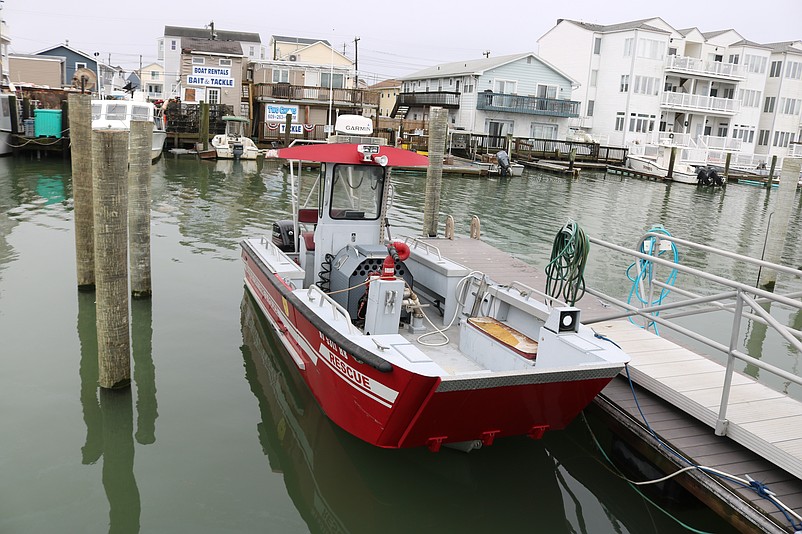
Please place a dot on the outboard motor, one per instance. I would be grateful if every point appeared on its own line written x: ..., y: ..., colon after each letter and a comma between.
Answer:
x: 284, y: 235
x: 708, y: 176
x: 237, y: 150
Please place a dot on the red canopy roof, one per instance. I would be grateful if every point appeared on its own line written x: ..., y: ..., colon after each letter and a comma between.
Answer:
x: 348, y: 153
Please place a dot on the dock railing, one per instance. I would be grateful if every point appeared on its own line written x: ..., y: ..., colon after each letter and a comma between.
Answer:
x: 742, y: 300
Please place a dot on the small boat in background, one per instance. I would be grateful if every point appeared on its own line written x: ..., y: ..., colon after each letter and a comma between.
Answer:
x: 235, y: 143
x: 683, y: 172
x: 119, y: 112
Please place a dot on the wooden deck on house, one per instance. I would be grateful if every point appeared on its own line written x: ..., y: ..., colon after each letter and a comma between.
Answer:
x: 680, y: 392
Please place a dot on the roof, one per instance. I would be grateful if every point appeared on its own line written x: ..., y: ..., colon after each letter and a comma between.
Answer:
x: 710, y: 35
x: 785, y: 46
x: 37, y: 58
x: 68, y: 47
x: 621, y: 26
x: 477, y: 66
x: 746, y: 42
x: 299, y: 40
x: 230, y: 48
x: 386, y: 84
x: 203, y: 33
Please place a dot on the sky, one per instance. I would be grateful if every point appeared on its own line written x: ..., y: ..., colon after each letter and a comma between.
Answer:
x: 396, y: 38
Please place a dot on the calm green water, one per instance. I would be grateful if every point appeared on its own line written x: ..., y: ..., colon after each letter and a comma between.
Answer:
x: 217, y: 436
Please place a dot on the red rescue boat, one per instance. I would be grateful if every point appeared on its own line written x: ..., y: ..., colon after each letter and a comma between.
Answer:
x: 401, y: 346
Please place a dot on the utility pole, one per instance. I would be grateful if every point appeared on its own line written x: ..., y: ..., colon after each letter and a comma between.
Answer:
x: 486, y: 53
x: 356, y: 63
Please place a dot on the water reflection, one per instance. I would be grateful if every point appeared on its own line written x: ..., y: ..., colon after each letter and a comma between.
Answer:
x: 341, y: 484
x: 108, y: 414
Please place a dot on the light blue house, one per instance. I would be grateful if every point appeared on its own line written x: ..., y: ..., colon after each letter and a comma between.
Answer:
x: 519, y: 94
x: 75, y: 59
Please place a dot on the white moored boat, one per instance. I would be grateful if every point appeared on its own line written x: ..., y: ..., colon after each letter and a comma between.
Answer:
x: 118, y: 113
x: 235, y: 143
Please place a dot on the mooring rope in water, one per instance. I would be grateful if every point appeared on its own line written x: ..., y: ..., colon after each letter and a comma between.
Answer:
x: 565, y: 272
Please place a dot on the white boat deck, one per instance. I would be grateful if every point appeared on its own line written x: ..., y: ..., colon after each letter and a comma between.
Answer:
x: 761, y: 419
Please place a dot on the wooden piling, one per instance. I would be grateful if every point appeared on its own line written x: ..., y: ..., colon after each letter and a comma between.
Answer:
x: 671, y: 160
x: 80, y: 109
x: 438, y: 122
x: 778, y: 227
x: 287, y: 129
x: 139, y: 165
x: 109, y: 179
x: 727, y: 166
x: 771, y: 171
x: 203, y: 128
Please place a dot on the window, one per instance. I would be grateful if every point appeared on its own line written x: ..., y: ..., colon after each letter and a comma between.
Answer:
x: 750, y: 98
x: 173, y: 44
x: 154, y: 75
x: 793, y: 70
x: 225, y: 63
x: 641, y: 122
x: 213, y: 95
x: 782, y: 139
x: 734, y: 58
x: 743, y: 132
x: 624, y: 83
x: 594, y: 77
x: 591, y: 105
x: 198, y: 60
x: 646, y: 85
x: 729, y: 93
x: 789, y: 106
x: 335, y: 82
x: 651, y: 48
x: 776, y: 69
x: 281, y: 76
x: 507, y: 87
x: 597, y: 45
x: 722, y: 130
x: 619, y: 121
x: 768, y: 104
x: 755, y: 64
x: 672, y: 51
x: 763, y: 137
x: 251, y: 51
x: 628, y: 45
x: 538, y: 130
x: 356, y: 192
x: 79, y: 65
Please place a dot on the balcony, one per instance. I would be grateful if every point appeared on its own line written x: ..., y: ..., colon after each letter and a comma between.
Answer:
x: 709, y: 69
x: 269, y: 92
x: 529, y: 105
x: 443, y: 99
x: 707, y: 104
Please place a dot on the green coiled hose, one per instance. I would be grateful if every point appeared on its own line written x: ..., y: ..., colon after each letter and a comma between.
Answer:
x: 565, y: 272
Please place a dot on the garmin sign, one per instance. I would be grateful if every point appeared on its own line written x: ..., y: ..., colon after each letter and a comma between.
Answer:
x: 210, y: 76
x: 354, y: 125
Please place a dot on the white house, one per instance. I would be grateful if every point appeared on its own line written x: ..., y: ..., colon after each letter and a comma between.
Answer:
x: 645, y: 81
x: 520, y: 94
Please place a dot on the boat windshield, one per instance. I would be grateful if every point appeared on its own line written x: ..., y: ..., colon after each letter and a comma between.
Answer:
x: 140, y: 113
x: 356, y: 192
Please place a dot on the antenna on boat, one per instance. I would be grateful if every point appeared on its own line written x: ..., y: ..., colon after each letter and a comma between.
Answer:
x: 331, y: 85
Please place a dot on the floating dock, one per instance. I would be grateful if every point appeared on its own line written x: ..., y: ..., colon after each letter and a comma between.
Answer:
x: 679, y: 392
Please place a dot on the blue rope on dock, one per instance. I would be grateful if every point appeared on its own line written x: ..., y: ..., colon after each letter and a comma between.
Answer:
x: 646, y: 275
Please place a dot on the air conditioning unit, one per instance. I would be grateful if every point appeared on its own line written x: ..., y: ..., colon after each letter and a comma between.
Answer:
x: 293, y: 57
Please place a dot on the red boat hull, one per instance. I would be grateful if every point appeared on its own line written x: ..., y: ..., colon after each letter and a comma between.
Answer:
x: 392, y: 407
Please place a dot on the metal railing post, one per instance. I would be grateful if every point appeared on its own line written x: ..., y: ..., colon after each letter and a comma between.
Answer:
x: 721, y: 422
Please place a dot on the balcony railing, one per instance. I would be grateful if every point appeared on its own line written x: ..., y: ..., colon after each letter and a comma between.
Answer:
x: 716, y: 69
x: 530, y: 105
x: 444, y: 99
x: 303, y: 93
x: 686, y: 101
